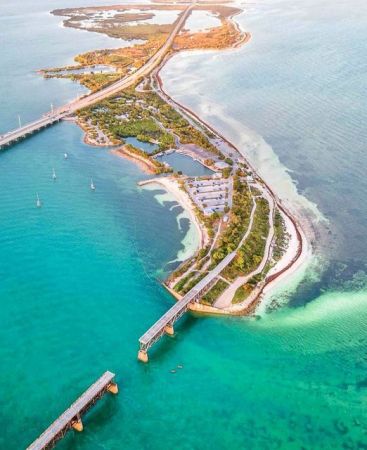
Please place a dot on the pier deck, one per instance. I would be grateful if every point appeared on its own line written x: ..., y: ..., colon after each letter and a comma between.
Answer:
x: 165, y: 323
x: 58, y: 429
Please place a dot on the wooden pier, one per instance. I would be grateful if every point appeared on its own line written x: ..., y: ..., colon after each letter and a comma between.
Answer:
x: 71, y: 418
x: 165, y: 324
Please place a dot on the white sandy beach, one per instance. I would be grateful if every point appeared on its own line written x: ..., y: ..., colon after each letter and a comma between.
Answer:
x: 171, y: 185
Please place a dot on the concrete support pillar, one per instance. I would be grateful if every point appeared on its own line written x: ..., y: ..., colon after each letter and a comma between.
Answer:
x: 78, y: 425
x: 143, y: 356
x: 113, y: 388
x: 168, y: 329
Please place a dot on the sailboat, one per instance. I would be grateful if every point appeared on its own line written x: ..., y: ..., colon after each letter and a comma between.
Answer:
x: 65, y: 155
x: 38, y: 203
x: 53, y: 174
x: 92, y: 185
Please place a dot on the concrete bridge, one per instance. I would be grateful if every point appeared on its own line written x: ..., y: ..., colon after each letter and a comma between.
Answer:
x: 14, y: 136
x: 71, y: 418
x: 49, y: 119
x: 165, y: 324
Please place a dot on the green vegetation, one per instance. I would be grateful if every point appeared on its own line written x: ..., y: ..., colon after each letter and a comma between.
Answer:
x: 245, y: 290
x: 182, y: 268
x: 158, y: 166
x: 180, y: 285
x: 211, y: 296
x: 238, y: 224
x: 199, y: 265
x: 128, y: 115
x: 281, y: 237
x: 188, y: 282
x: 144, y: 128
x: 192, y: 283
x: 242, y: 293
x: 93, y: 81
x: 226, y: 172
x: 147, y: 117
x: 251, y: 253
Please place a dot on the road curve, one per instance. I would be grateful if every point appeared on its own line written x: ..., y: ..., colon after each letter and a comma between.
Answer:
x: 133, y: 78
x: 88, y: 100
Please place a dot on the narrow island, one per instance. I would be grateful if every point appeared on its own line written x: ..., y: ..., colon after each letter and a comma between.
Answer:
x: 248, y: 239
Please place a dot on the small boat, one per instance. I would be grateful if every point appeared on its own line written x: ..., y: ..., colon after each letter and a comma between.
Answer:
x: 65, y: 155
x: 92, y: 185
x: 38, y: 203
x: 53, y: 174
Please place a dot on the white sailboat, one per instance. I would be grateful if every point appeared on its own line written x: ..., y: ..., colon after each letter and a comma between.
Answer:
x: 65, y: 155
x: 92, y: 185
x: 38, y: 203
x: 53, y: 174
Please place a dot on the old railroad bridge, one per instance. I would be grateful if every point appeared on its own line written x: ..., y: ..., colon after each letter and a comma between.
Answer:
x: 71, y: 418
x: 165, y: 324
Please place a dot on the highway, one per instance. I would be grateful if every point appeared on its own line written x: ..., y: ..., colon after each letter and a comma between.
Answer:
x: 88, y: 100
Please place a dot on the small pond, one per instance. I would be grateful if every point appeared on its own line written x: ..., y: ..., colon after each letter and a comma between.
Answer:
x: 185, y: 164
x: 148, y: 147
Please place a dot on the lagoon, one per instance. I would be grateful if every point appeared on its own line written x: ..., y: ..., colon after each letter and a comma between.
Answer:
x: 185, y: 164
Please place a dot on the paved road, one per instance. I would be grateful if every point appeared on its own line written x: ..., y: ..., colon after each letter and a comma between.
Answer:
x: 91, y: 99
x: 133, y: 78
x: 225, y: 299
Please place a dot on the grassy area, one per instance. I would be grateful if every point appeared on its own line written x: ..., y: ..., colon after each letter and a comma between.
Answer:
x: 242, y: 293
x: 238, y: 224
x: 211, y: 296
x: 147, y: 117
x: 180, y: 284
x: 191, y: 283
x: 281, y: 236
x: 250, y: 255
x: 96, y: 81
x: 157, y: 166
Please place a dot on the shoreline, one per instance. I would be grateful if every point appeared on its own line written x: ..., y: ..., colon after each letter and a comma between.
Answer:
x: 145, y: 165
x: 303, y: 253
x: 170, y: 185
x: 302, y: 248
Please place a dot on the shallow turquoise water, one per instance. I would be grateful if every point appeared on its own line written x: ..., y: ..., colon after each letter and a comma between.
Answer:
x: 79, y: 286
x: 294, y: 95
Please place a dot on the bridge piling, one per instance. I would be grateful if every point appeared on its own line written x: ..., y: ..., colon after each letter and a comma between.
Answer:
x: 165, y: 324
x: 71, y: 418
x: 78, y: 424
x: 143, y: 356
x: 168, y: 329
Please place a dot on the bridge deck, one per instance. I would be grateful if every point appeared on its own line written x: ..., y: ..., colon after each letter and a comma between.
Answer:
x: 12, y: 136
x: 156, y: 330
x: 90, y: 99
x: 64, y: 421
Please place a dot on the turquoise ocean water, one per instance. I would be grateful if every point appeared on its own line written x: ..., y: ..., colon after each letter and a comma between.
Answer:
x: 78, y: 277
